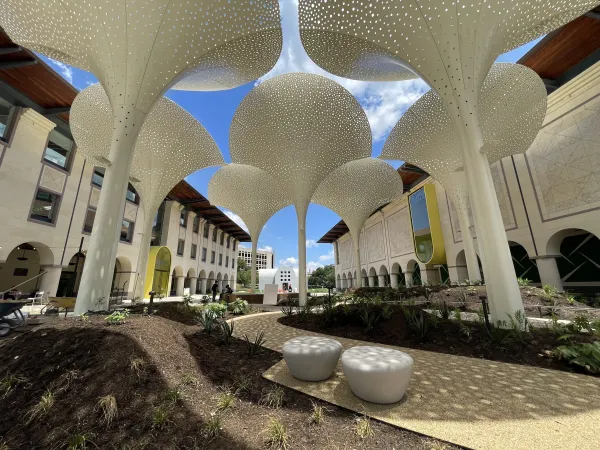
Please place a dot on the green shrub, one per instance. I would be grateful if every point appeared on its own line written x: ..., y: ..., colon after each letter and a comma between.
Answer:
x: 227, y: 332
x: 273, y: 398
x: 287, y: 309
x: 549, y: 291
x: 370, y: 319
x: 583, y: 355
x: 187, y: 300
x: 208, y: 320
x: 277, y: 436
x: 239, y: 307
x: 117, y: 317
x: 219, y: 309
x: 255, y: 347
x: 523, y: 281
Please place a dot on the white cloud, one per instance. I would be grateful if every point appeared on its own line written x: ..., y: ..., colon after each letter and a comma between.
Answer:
x: 384, y: 103
x: 311, y: 266
x: 242, y: 245
x: 237, y: 219
x: 291, y: 261
x: 327, y: 257
x: 64, y: 70
x: 266, y: 248
x: 310, y: 243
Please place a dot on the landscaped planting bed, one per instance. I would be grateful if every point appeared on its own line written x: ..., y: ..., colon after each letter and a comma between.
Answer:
x: 154, y: 383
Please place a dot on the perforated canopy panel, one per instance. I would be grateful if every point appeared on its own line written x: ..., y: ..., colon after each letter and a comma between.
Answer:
x: 512, y: 106
x: 357, y: 189
x: 450, y: 44
x: 171, y: 145
x: 137, y: 49
x: 249, y: 192
x: 298, y: 128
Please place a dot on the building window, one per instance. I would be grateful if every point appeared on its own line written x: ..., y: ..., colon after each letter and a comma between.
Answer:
x: 6, y: 114
x: 45, y: 206
x: 212, y: 257
x: 196, y: 224
x: 183, y: 218
x: 193, y: 251
x: 131, y: 194
x: 204, y: 254
x: 98, y: 180
x: 228, y: 242
x: 215, y: 235
x: 126, y: 231
x: 220, y: 259
x: 58, y: 150
x: 233, y: 263
x: 98, y: 176
x: 234, y: 243
x: 180, y: 247
x: 90, y: 215
x: 206, y: 230
x: 157, y: 225
x: 20, y: 272
x: 227, y: 261
x: 222, y: 238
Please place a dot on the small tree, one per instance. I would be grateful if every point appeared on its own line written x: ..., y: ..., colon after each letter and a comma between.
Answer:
x: 243, y: 272
x: 323, y: 277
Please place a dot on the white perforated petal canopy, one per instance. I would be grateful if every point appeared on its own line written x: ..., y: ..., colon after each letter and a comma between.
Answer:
x: 171, y: 145
x: 249, y: 192
x: 298, y: 128
x: 137, y: 49
x: 358, y: 188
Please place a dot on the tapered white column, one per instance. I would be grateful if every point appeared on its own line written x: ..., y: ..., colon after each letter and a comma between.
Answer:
x: 408, y: 278
x: 372, y: 281
x: 179, y: 286
x: 394, y: 280
x: 193, y: 285
x: 142, y: 262
x: 548, y: 270
x: 301, y: 213
x: 469, y: 245
x: 356, y: 244
x: 49, y: 281
x: 381, y: 280
x: 203, y: 286
x: 100, y: 259
x: 253, y: 266
x: 501, y: 281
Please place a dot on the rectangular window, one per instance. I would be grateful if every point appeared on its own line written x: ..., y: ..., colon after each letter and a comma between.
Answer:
x: 212, y: 257
x: 45, y: 206
x: 228, y: 242
x: 214, y: 235
x: 196, y: 225
x: 204, y: 254
x: 193, y: 251
x: 6, y: 110
x: 20, y: 272
x: 220, y: 259
x: 157, y: 225
x: 90, y: 215
x: 183, y: 218
x: 222, y: 238
x: 233, y: 263
x: 206, y: 230
x: 126, y: 231
x: 131, y: 194
x: 98, y: 180
x: 98, y: 176
x: 234, y: 245
x: 180, y: 247
x: 227, y: 261
x: 58, y: 151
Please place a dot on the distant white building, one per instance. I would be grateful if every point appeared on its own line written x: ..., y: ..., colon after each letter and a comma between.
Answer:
x: 264, y: 259
x: 282, y: 277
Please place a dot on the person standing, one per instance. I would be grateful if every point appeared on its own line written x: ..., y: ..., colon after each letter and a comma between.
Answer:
x: 215, y: 288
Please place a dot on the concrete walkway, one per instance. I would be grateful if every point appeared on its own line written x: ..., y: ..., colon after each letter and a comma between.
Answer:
x: 471, y: 402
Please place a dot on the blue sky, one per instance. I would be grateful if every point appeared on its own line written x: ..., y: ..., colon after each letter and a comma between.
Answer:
x: 384, y: 104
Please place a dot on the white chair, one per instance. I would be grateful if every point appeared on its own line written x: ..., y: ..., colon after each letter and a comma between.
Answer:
x: 311, y: 358
x: 377, y: 374
x: 41, y: 296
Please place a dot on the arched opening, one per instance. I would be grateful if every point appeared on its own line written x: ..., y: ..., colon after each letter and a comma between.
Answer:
x: 350, y: 280
x: 220, y: 282
x: 364, y: 278
x: 121, y: 277
x: 70, y: 277
x: 157, y: 271
x: 19, y: 275
x: 397, y: 277
x: 414, y: 271
x: 383, y: 277
x: 175, y: 275
x: 461, y: 266
x: 338, y: 283
x: 190, y: 279
x: 344, y: 281
x: 579, y: 264
x: 225, y: 281
x: 373, y: 279
x: 524, y: 267
x: 202, y: 281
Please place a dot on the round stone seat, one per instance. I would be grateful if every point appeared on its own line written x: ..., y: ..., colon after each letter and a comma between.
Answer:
x: 311, y: 358
x: 377, y: 374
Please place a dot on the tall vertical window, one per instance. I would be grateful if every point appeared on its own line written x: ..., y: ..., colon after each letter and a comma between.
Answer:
x: 98, y: 180
x: 228, y: 241
x: 220, y: 259
x: 183, y: 218
x: 90, y: 215
x: 204, y: 254
x: 206, y: 230
x: 58, y: 151
x: 193, y: 251
x: 222, y: 238
x: 45, y: 206
x: 180, y: 247
x: 196, y: 224
x: 234, y: 244
x: 214, y: 235
x: 6, y: 112
x: 227, y: 261
x: 126, y: 231
x: 157, y: 225
x: 233, y: 263
x: 212, y: 257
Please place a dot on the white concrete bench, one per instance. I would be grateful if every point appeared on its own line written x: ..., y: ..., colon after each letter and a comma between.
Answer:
x: 377, y: 374
x: 311, y: 358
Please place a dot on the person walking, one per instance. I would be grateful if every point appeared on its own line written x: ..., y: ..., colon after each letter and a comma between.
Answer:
x: 215, y: 288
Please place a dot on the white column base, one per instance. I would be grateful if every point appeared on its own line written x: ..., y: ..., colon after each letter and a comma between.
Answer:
x: 548, y: 270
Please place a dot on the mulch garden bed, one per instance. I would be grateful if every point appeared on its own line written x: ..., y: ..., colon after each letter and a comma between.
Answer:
x: 448, y: 337
x: 155, y: 365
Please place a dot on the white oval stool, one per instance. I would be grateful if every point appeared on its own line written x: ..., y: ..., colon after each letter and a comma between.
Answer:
x: 377, y: 374
x: 311, y: 358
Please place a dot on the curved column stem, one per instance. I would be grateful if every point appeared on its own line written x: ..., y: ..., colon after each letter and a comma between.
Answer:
x: 301, y: 213
x: 501, y: 281
x: 469, y: 245
x: 253, y: 266
x: 356, y: 244
x: 94, y: 290
x: 142, y: 262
